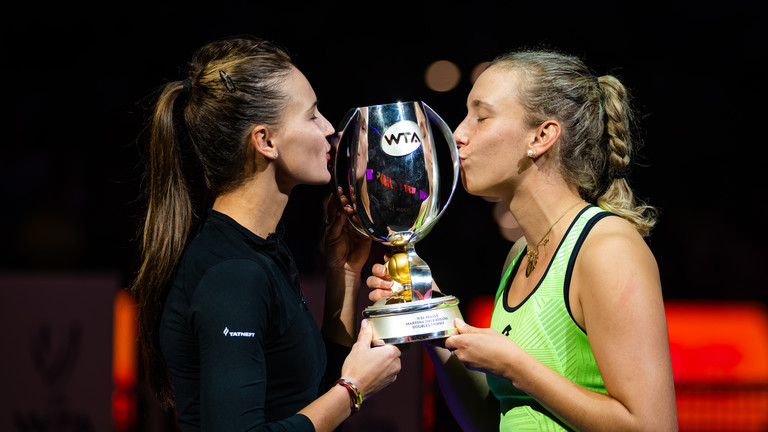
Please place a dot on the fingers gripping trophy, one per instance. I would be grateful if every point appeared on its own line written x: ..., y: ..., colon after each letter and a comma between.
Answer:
x: 399, y: 178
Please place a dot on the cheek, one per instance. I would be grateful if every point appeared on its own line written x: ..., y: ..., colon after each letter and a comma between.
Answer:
x: 489, y: 168
x: 505, y: 143
x: 489, y: 145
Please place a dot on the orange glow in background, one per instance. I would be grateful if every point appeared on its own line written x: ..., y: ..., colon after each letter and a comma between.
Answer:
x: 124, y: 363
x: 719, y: 356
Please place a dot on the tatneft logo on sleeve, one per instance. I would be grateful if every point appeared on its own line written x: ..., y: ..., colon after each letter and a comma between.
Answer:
x: 228, y: 332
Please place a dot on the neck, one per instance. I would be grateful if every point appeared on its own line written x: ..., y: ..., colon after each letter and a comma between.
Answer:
x: 257, y: 205
x: 537, y: 209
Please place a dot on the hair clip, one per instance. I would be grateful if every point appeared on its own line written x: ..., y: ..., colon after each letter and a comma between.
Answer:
x: 230, y: 86
x: 186, y: 86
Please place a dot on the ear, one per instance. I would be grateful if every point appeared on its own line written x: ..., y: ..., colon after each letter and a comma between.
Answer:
x: 545, y: 137
x: 261, y: 140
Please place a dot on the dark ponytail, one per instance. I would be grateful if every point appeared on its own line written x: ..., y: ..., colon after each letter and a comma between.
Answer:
x: 232, y: 86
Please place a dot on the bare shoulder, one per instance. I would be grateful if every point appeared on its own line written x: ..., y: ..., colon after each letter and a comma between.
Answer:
x: 616, y: 270
x: 614, y: 241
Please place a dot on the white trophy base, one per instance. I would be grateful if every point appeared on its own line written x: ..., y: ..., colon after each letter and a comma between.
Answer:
x: 413, y: 321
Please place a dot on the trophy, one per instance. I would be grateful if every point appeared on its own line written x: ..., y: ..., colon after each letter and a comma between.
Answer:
x: 399, y: 177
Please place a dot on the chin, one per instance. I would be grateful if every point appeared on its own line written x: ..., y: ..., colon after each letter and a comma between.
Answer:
x: 321, y: 179
x: 475, y: 191
x: 468, y: 186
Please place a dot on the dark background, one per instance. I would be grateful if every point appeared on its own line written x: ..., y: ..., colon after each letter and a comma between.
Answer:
x: 79, y: 80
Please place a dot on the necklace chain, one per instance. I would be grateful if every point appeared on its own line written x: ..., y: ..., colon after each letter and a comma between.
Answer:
x: 533, y: 254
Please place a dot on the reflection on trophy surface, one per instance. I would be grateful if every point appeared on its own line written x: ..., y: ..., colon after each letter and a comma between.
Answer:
x: 399, y: 178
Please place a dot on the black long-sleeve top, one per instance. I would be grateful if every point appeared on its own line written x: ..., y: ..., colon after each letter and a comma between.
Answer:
x: 242, y: 348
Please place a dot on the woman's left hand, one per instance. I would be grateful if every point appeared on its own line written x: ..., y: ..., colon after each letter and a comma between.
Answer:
x: 345, y: 248
x: 482, y: 349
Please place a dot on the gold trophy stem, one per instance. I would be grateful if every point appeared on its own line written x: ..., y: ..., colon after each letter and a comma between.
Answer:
x: 400, y: 272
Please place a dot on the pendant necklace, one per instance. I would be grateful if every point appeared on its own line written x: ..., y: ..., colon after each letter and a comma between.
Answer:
x: 533, y: 254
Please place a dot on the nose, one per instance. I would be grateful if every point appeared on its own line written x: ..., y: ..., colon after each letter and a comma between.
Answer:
x: 460, y: 136
x: 327, y: 127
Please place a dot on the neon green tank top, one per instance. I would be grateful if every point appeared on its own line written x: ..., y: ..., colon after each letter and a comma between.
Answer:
x: 543, y: 326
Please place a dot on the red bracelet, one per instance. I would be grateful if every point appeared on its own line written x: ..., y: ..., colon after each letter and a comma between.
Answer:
x: 354, y: 394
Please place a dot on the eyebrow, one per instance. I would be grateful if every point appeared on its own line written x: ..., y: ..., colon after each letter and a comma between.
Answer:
x: 475, y: 103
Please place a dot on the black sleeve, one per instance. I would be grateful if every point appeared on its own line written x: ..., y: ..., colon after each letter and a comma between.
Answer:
x: 230, y: 316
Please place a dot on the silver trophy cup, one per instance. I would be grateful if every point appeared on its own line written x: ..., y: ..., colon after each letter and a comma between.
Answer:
x: 399, y: 178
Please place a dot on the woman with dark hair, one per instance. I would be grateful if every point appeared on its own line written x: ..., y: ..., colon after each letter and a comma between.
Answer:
x: 578, y: 337
x: 226, y: 334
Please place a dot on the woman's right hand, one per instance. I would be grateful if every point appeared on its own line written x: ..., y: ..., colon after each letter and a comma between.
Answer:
x: 371, y: 365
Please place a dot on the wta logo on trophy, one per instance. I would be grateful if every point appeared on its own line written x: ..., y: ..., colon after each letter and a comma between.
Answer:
x: 401, y: 138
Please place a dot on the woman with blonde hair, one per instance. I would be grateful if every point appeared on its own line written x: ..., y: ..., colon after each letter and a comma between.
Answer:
x: 578, y: 337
